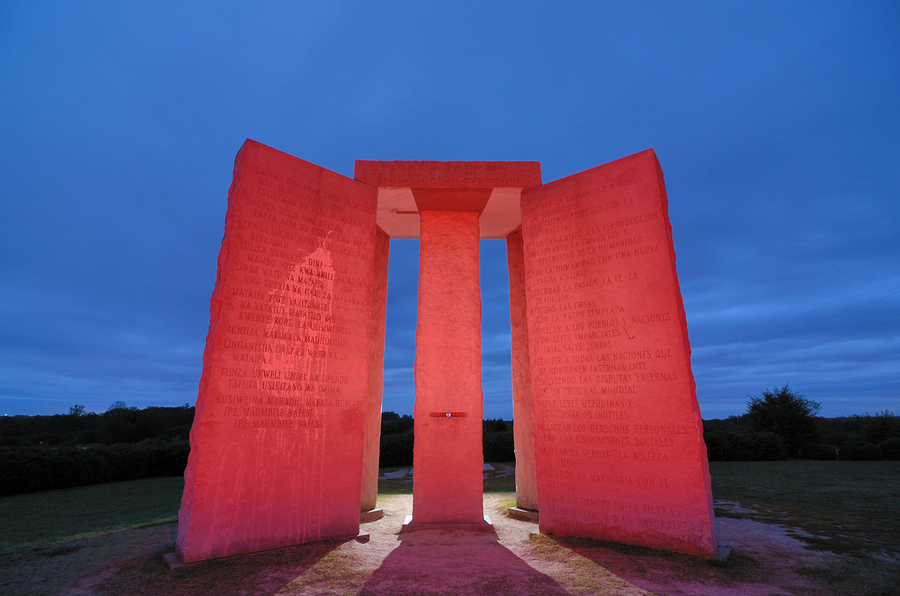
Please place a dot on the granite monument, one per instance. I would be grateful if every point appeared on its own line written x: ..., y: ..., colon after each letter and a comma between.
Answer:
x: 284, y: 447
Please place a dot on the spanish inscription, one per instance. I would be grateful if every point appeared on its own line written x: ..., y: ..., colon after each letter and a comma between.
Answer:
x: 616, y: 424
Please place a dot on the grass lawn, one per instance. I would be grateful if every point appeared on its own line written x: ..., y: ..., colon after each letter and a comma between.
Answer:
x: 853, y: 507
x: 56, y: 515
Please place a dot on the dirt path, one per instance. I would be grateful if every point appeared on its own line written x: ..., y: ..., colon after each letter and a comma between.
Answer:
x: 514, y: 560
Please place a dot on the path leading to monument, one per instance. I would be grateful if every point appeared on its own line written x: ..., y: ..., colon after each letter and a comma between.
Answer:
x: 514, y: 561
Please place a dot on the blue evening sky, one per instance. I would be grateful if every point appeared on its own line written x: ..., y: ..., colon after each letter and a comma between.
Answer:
x: 777, y: 125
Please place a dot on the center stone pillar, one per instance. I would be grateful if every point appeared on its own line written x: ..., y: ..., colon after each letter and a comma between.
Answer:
x: 448, y: 460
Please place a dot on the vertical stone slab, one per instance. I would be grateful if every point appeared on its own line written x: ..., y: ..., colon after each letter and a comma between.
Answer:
x: 277, y: 440
x: 618, y: 433
x: 376, y: 372
x: 523, y: 427
x: 448, y: 459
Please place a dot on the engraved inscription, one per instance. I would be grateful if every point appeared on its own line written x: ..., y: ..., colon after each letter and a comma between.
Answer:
x: 596, y: 357
x: 282, y: 333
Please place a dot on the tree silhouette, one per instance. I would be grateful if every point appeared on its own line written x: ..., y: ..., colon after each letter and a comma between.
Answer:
x: 785, y: 413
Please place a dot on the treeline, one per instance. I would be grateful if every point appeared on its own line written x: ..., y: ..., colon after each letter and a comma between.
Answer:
x: 119, y: 424
x: 397, y: 436
x: 851, y: 438
x: 79, y: 449
x: 782, y: 424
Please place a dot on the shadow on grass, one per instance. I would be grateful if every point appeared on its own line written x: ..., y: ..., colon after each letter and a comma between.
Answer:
x: 649, y: 569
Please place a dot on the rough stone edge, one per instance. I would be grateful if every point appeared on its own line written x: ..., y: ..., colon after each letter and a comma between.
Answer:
x: 523, y: 514
x: 370, y: 515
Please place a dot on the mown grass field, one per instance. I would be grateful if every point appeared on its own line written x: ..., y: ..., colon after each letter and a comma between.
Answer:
x: 851, y: 507
x: 39, y: 519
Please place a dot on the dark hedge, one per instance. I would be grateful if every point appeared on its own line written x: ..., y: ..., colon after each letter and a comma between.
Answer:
x: 498, y: 446
x: 396, y: 450
x: 860, y: 451
x: 31, y: 469
x: 891, y: 448
x: 732, y: 446
x: 818, y: 451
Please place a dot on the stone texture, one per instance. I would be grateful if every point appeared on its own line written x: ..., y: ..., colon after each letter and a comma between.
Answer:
x: 491, y: 188
x: 523, y: 427
x: 376, y: 372
x: 608, y: 432
x: 277, y: 440
x: 618, y: 434
x: 447, y: 484
x: 449, y: 174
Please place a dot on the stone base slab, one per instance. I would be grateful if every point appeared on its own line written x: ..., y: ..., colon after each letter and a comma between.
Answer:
x: 410, y: 526
x: 175, y: 562
x: 370, y: 515
x: 523, y: 514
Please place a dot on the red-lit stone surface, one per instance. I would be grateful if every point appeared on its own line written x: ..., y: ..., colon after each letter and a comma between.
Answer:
x: 449, y: 174
x: 285, y: 440
x: 490, y: 188
x: 376, y: 372
x: 618, y: 433
x: 523, y: 429
x: 277, y: 441
x: 449, y: 205
x: 448, y: 461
